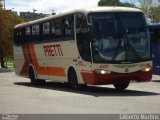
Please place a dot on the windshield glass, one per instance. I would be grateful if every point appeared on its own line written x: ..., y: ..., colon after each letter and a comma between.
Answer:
x: 120, y: 37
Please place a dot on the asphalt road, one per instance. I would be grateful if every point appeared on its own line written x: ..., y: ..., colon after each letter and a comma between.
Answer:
x: 18, y: 96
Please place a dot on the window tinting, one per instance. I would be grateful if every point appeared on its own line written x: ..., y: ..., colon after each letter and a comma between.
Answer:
x: 46, y: 31
x: 59, y: 29
x: 83, y: 42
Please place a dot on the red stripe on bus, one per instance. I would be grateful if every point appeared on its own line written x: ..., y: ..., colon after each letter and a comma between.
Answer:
x: 24, y: 70
x: 32, y: 59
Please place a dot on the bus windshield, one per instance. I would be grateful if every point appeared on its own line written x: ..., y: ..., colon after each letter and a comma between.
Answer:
x: 120, y: 37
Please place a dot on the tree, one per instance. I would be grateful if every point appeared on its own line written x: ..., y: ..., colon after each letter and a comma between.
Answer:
x: 154, y: 14
x: 1, y: 4
x: 7, y: 22
x: 151, y: 8
x: 109, y: 3
x: 114, y: 3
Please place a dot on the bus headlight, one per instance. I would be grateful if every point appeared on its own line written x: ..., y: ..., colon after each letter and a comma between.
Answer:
x: 147, y: 69
x: 99, y: 71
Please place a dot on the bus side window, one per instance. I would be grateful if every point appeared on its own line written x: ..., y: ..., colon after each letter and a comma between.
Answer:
x: 46, y: 31
x: 58, y: 26
x: 158, y: 35
x: 62, y: 28
x: 35, y: 33
x: 23, y: 35
x: 155, y: 36
x: 53, y: 30
x: 27, y: 34
x: 83, y: 42
x: 20, y: 37
x: 17, y: 37
x: 69, y: 27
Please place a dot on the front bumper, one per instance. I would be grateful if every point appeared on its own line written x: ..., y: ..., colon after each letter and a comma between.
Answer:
x: 93, y: 78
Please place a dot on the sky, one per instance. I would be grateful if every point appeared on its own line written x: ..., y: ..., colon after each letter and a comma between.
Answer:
x: 47, y: 6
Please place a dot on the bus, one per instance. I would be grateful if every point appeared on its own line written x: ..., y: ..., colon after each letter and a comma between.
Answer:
x: 92, y: 46
x: 154, y: 30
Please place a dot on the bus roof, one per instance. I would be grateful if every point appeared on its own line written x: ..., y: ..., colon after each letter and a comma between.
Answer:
x: 84, y: 10
x: 110, y: 9
x: 154, y: 25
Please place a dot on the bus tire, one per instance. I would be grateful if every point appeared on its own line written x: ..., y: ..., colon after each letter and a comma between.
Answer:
x: 73, y: 80
x: 121, y: 84
x: 35, y: 81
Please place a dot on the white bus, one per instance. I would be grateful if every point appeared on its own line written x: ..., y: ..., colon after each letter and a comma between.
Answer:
x: 98, y: 46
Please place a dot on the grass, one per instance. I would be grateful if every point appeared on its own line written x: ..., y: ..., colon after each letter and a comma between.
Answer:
x: 10, y: 64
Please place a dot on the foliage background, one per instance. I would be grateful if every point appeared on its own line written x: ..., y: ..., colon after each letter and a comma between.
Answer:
x: 7, y: 22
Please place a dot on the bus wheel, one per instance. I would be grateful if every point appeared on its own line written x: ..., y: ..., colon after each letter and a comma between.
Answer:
x: 73, y: 80
x: 32, y: 76
x: 121, y: 84
x: 33, y: 79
